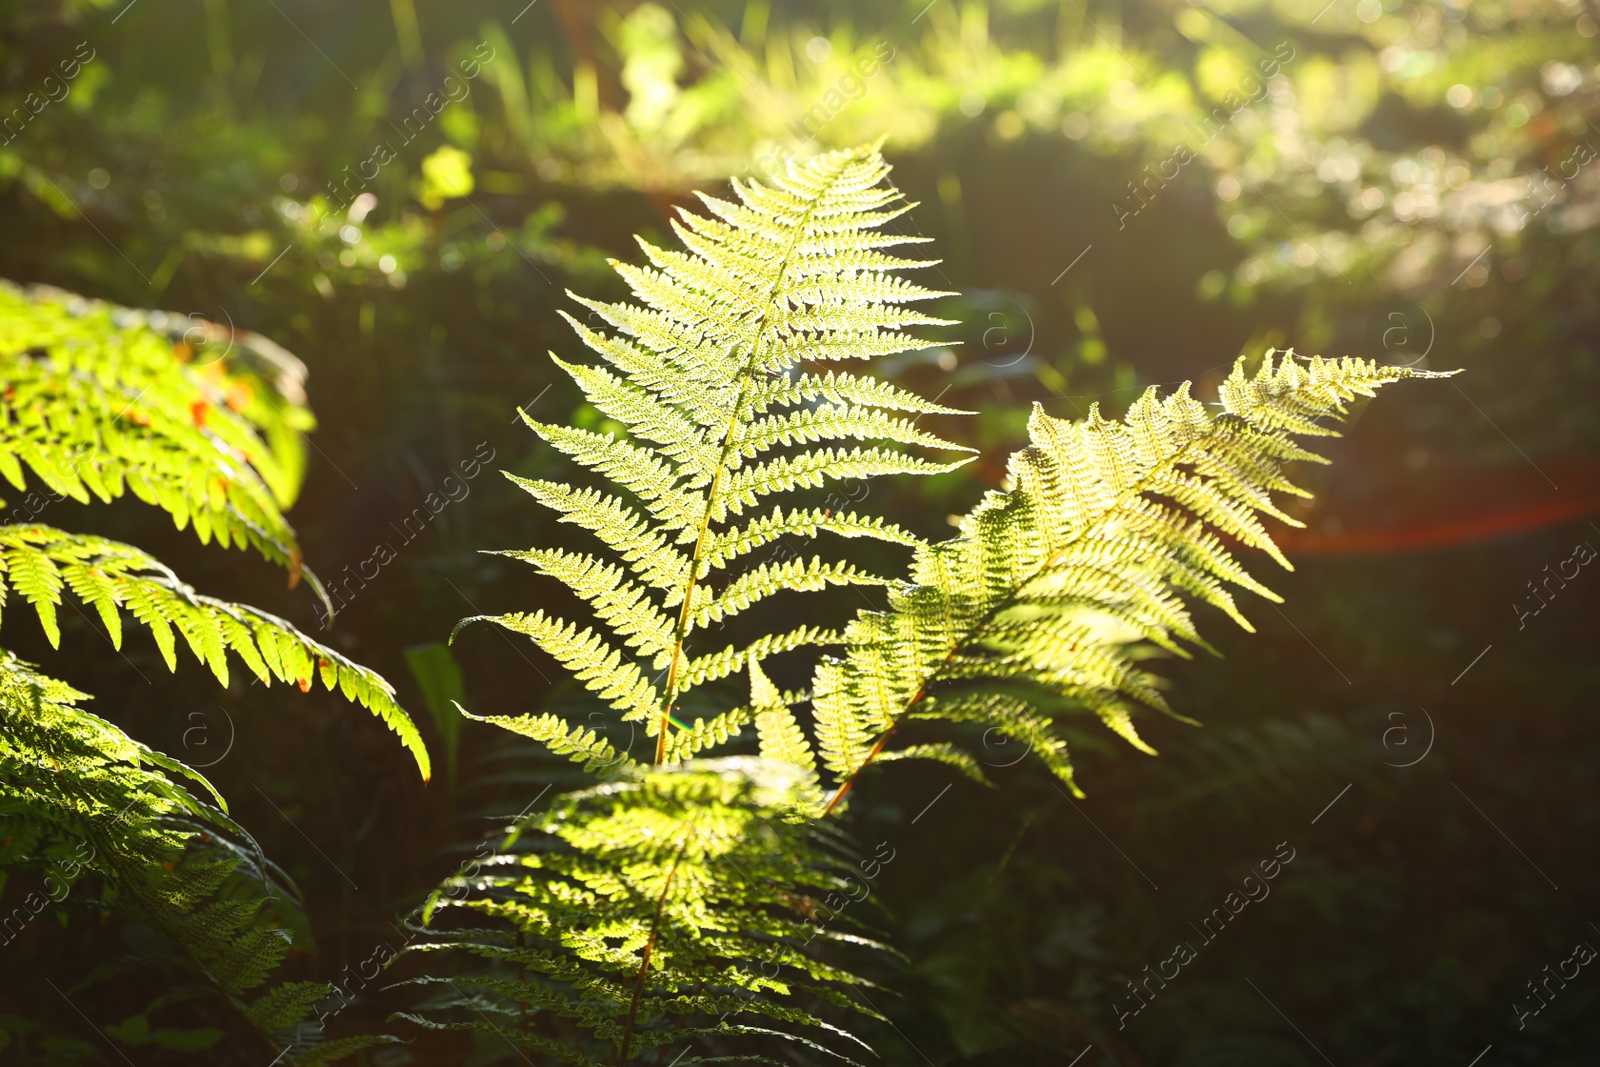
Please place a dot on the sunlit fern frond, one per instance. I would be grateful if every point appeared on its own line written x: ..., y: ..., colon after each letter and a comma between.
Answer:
x: 682, y: 906
x: 1106, y: 528
x: 707, y: 373
x: 43, y: 564
x: 192, y: 417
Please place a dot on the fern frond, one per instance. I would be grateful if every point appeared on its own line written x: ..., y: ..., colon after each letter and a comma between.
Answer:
x: 647, y: 912
x: 1052, y: 584
x: 286, y: 1004
x: 804, y: 522
x: 940, y: 752
x: 769, y: 579
x: 588, y: 656
x: 732, y: 659
x: 812, y: 470
x: 65, y: 768
x: 1007, y: 719
x: 42, y: 563
x: 86, y: 810
x: 619, y: 603
x: 645, y: 548
x: 828, y: 422
x: 848, y: 390
x: 99, y: 401
x: 701, y: 734
x: 702, y: 371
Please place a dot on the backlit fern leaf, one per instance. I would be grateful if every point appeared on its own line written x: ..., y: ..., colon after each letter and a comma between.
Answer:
x: 780, y: 734
x: 99, y: 401
x: 646, y: 913
x: 555, y: 733
x: 704, y: 373
x: 642, y: 912
x: 41, y: 563
x: 1105, y: 527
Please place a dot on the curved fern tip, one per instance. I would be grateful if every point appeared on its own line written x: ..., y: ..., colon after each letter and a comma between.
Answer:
x: 463, y: 624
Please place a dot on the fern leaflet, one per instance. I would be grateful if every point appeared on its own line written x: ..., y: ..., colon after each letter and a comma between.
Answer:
x: 41, y: 563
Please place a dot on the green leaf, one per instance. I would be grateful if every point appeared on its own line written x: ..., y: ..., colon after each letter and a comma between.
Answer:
x: 1045, y: 598
x: 439, y: 677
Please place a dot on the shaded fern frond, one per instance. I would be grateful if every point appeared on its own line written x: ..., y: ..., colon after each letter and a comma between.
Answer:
x: 649, y: 912
x: 197, y: 419
x: 69, y: 773
x: 92, y: 818
x: 41, y: 564
x: 1105, y: 530
x: 704, y: 373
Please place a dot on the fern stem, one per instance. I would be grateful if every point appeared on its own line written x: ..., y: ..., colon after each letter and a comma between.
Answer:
x: 848, y: 783
x: 649, y: 947
x: 681, y: 630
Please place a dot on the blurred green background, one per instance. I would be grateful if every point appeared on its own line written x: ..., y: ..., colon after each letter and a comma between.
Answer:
x: 400, y: 191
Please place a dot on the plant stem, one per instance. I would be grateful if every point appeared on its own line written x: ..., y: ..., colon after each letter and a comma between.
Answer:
x: 649, y: 947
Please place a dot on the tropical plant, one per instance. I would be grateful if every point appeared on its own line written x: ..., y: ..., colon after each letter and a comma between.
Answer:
x: 621, y: 931
x: 207, y: 425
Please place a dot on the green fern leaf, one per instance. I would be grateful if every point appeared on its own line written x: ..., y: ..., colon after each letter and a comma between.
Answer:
x: 89, y: 807
x: 782, y: 739
x: 1052, y: 584
x: 574, y: 742
x: 649, y: 911
x: 41, y: 563
x: 100, y: 399
x: 703, y: 372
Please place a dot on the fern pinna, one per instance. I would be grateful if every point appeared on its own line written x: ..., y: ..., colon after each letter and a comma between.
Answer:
x: 100, y: 400
x: 1042, y: 607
